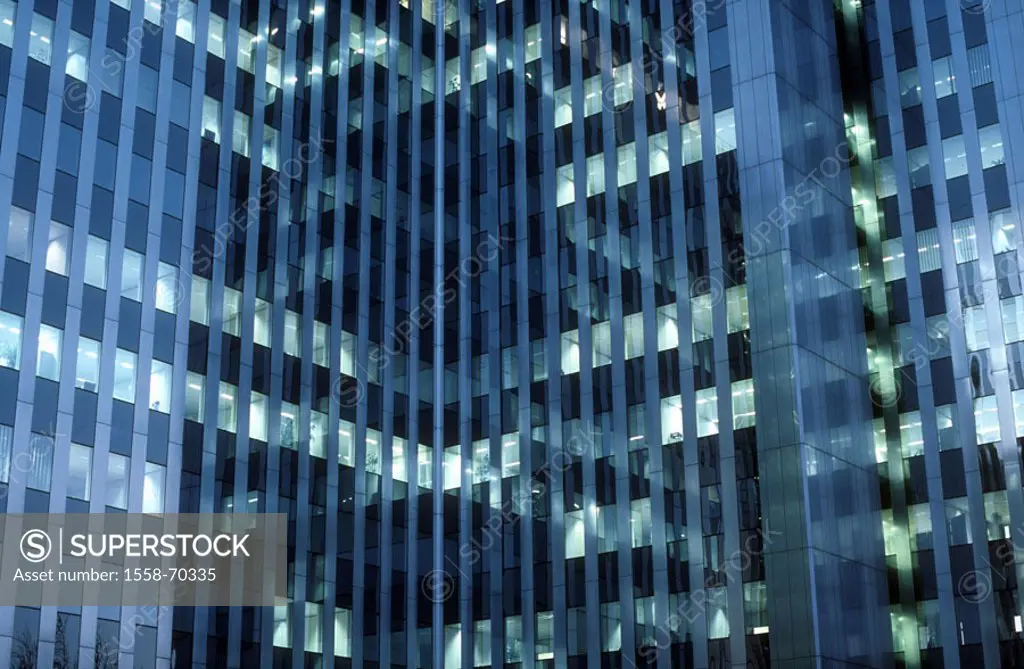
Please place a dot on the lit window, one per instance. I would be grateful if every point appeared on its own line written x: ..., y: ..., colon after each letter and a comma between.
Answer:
x: 1004, y: 234
x: 595, y: 175
x: 117, y: 481
x: 232, y: 312
x: 991, y: 139
x: 979, y: 64
x: 668, y: 329
x: 743, y: 414
x: 626, y: 159
x: 737, y: 315
x: 241, y: 133
x: 373, y: 440
x: 87, y: 373
x: 346, y: 445
x: 10, y: 340
x: 478, y: 65
x: 910, y: 88
x: 593, y: 96
x: 40, y: 43
x: 318, y: 434
x: 274, y: 66
x: 885, y: 177
x: 342, y: 633
x: 79, y: 472
x: 153, y: 11
x: 40, y: 463
x: 702, y: 323
x: 929, y: 256
x: 7, y: 12
x: 533, y: 43
x: 893, y: 259
x: 623, y: 78
x: 131, y: 276
x: 633, y: 335
x: 217, y: 42
x: 509, y: 368
x: 725, y: 131
x: 976, y: 328
x: 186, y: 25
x: 671, y: 419
x: 919, y: 167
x: 160, y: 387
x: 262, y: 319
x: 247, y: 52
x: 292, y: 333
x: 348, y: 354
x: 707, y: 412
x: 986, y: 420
x: 199, y: 305
x: 563, y: 106
x: 564, y: 188
x: 965, y: 241
x: 259, y: 417
x: 658, y: 153
x: 48, y: 355
x: 640, y: 527
x: 78, y: 57
x: 282, y: 636
x: 718, y: 613
x: 509, y: 455
x: 289, y: 430
x: 1013, y: 318
x: 58, y: 248
x: 153, y: 488
x: 195, y: 397
x: 227, y: 407
x: 945, y: 80
x: 691, y: 142
x: 96, y: 262
x: 955, y: 156
x: 19, y: 234
x: 271, y: 143
x: 211, y: 118
x: 124, y: 375
x: 167, y: 288
x: 570, y: 352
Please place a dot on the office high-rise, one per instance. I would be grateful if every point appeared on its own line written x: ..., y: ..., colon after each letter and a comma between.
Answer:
x: 568, y: 334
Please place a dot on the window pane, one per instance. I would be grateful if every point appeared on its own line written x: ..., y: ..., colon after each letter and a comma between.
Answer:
x: 124, y: 376
x: 40, y: 42
x: 48, y: 355
x: 7, y: 12
x: 87, y: 374
x: 96, y: 262
x: 292, y: 333
x: 258, y: 416
x: 58, y: 248
x: 991, y: 139
x: 321, y: 344
x: 216, y: 44
x: 195, y: 402
x: 199, y: 305
x: 232, y: 312
x: 160, y: 387
x: 955, y: 156
x: 965, y: 242
x: 263, y: 317
x: 78, y: 57
x: 10, y: 340
x: 227, y: 407
x: 19, y: 234
x: 80, y: 472
x: 40, y: 465
x: 117, y: 481
x: 167, y: 288
x: 153, y: 488
x: 945, y: 80
x: 131, y: 278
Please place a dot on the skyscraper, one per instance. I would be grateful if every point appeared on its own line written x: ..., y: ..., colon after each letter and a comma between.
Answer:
x: 567, y: 334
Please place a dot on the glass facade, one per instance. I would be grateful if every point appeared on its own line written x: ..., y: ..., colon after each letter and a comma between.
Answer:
x: 567, y: 333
